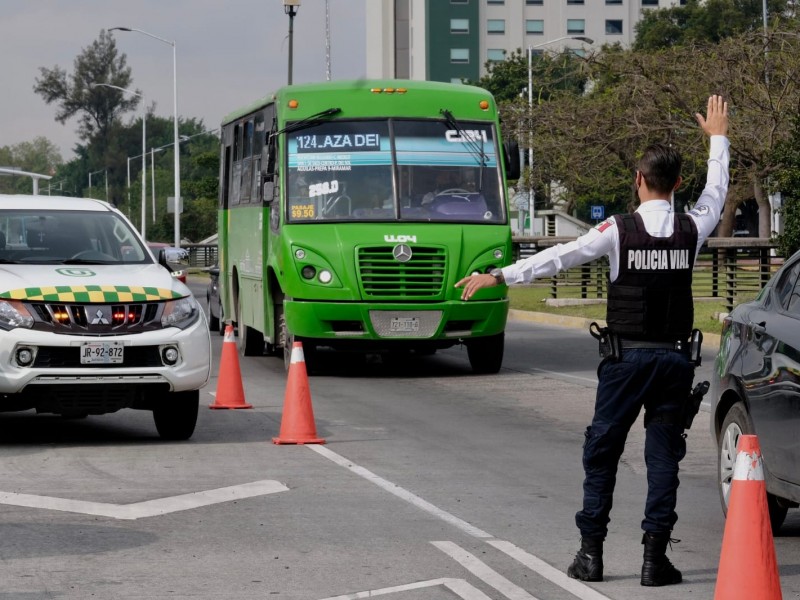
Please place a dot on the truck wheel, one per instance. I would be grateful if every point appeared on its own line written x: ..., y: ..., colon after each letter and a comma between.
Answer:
x: 175, y: 415
x: 737, y: 423
x: 486, y: 353
x: 251, y: 341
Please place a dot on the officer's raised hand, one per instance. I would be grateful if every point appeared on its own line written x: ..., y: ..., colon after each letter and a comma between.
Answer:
x: 716, y: 120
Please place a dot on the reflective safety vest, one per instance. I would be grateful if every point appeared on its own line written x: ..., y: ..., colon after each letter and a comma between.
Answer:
x: 651, y: 298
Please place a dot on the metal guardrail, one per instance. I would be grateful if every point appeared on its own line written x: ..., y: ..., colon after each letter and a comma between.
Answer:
x: 731, y: 269
x: 202, y: 255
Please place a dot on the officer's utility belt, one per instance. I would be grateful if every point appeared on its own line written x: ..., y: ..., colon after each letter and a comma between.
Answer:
x: 613, y: 346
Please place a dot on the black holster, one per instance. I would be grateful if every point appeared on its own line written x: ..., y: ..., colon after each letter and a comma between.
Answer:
x: 610, y: 345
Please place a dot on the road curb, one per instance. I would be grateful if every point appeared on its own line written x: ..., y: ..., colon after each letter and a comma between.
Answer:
x: 709, y: 339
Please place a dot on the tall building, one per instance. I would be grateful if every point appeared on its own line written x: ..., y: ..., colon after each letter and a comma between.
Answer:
x: 451, y: 40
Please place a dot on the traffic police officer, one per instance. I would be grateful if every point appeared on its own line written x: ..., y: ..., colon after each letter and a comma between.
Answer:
x: 649, y: 313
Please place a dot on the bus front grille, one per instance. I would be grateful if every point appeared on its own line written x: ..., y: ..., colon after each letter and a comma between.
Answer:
x: 419, y: 278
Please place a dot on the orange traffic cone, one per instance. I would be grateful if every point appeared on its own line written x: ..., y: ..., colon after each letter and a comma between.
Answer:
x: 297, y: 424
x: 230, y: 392
x: 748, y: 568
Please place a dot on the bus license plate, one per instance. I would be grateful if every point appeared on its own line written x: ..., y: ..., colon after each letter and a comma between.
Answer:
x: 404, y: 324
x: 101, y: 353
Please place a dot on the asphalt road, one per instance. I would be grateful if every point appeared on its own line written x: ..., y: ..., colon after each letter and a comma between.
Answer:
x: 433, y: 484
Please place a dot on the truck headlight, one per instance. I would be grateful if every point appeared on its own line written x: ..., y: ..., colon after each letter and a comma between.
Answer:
x: 180, y: 313
x: 13, y: 314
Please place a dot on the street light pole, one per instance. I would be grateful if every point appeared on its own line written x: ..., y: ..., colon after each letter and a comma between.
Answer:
x: 144, y: 148
x: 175, y: 125
x: 579, y: 38
x: 290, y: 8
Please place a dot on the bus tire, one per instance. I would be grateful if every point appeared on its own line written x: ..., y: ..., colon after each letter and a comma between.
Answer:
x: 285, y: 339
x: 175, y: 414
x: 486, y: 353
x: 250, y: 341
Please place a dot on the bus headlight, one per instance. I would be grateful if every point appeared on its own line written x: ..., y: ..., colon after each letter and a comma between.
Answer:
x: 13, y: 314
x: 325, y: 276
x: 498, y: 253
x: 180, y: 313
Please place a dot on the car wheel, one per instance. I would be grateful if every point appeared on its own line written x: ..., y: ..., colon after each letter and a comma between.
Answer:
x: 486, y: 353
x: 222, y: 324
x: 213, y: 321
x: 175, y: 415
x: 737, y: 423
x: 251, y: 341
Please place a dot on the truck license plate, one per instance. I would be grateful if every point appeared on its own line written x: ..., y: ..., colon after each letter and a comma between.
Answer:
x: 101, y: 353
x: 404, y: 324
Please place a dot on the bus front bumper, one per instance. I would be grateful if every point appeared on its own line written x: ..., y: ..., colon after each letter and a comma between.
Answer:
x: 446, y: 321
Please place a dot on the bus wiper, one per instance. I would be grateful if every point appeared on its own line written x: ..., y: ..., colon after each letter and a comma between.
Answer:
x: 309, y: 121
x: 469, y: 141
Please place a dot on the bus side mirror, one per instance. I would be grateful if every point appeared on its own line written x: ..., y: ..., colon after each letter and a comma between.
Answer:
x: 269, y: 191
x: 511, y: 156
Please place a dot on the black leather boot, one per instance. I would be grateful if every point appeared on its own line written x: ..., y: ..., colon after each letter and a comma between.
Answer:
x: 588, y: 563
x: 657, y: 570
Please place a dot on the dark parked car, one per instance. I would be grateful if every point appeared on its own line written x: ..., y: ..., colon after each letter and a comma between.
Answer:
x: 216, y: 320
x: 756, y: 389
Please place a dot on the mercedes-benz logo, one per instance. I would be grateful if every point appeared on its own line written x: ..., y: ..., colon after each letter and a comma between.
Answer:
x: 402, y: 253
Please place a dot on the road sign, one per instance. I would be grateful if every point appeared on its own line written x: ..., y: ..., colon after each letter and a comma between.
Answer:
x: 598, y: 212
x: 520, y: 201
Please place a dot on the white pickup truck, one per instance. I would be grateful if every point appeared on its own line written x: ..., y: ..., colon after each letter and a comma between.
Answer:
x: 90, y: 321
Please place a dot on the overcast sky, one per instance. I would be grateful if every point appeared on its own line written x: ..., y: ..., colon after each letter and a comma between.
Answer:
x: 229, y: 53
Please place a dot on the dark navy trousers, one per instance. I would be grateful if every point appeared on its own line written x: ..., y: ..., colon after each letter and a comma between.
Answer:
x: 659, y: 380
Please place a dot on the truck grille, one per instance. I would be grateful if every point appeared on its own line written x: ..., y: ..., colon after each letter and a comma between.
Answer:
x: 421, y: 277
x: 96, y: 319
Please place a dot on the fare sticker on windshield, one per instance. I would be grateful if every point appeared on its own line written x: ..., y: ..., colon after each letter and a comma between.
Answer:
x: 303, y: 211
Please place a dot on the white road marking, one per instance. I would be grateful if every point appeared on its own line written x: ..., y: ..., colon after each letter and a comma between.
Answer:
x: 148, y: 508
x: 575, y: 587
x: 458, y: 586
x: 483, y: 572
x: 400, y: 492
x: 537, y: 565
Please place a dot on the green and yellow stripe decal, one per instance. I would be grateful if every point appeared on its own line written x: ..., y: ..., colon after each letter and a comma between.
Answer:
x: 90, y: 293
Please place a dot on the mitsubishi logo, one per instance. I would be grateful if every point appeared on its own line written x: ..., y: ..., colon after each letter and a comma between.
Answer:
x: 401, y: 253
x: 99, y: 318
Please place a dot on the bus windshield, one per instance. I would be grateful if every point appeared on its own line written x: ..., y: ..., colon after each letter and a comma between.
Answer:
x: 395, y: 169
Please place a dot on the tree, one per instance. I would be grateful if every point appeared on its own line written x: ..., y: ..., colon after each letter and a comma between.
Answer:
x: 37, y: 156
x: 787, y: 181
x: 589, y: 144
x: 705, y: 21
x: 96, y: 108
x: 507, y: 80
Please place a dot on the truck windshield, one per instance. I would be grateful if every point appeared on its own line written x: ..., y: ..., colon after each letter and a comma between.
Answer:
x: 68, y: 237
x: 394, y: 170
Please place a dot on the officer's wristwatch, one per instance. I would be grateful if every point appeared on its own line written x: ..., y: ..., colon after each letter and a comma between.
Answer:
x: 498, y: 276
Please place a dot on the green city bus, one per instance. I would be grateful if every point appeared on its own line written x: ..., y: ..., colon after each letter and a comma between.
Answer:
x: 348, y: 210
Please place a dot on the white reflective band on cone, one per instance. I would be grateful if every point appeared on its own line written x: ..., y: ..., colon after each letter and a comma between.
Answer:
x: 297, y: 354
x: 228, y: 334
x: 748, y: 467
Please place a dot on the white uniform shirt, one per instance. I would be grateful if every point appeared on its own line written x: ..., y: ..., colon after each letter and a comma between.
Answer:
x: 658, y: 219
